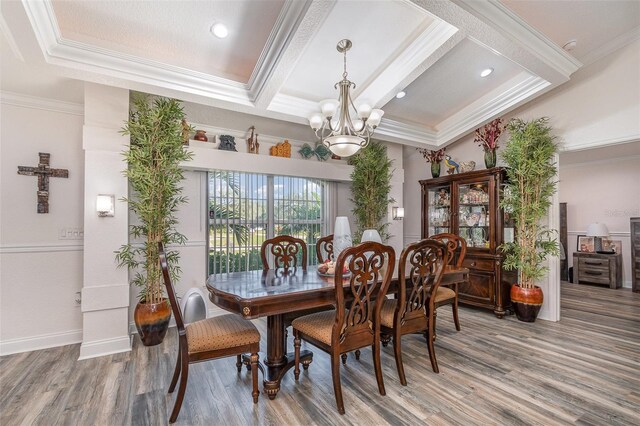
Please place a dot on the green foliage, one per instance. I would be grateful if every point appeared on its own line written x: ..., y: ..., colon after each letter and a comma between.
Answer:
x: 370, y: 188
x: 527, y: 197
x: 154, y: 174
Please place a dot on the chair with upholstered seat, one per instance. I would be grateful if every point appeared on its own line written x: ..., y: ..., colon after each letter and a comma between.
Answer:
x: 357, y: 326
x: 217, y: 337
x: 324, y: 248
x: 420, y: 270
x: 281, y: 253
x: 457, y: 249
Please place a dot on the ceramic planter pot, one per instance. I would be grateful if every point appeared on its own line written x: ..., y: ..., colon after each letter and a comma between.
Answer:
x: 526, y: 302
x: 490, y: 158
x: 152, y: 321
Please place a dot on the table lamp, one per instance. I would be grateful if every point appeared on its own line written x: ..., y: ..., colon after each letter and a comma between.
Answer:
x: 597, y: 230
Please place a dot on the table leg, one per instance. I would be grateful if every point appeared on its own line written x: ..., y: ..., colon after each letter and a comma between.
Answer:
x: 277, y: 361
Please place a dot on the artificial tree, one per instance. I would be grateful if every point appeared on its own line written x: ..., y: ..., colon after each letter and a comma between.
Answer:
x: 153, y: 170
x: 370, y: 188
x: 531, y: 183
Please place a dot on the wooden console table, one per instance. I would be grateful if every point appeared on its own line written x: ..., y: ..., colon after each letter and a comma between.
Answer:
x: 598, y: 268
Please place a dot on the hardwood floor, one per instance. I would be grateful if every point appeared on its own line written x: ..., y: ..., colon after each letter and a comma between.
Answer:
x: 584, y: 370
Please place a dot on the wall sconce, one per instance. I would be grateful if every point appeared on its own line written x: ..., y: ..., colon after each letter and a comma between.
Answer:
x: 397, y: 213
x: 105, y: 205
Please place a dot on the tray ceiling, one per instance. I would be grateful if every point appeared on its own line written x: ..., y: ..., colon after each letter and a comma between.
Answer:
x: 280, y: 59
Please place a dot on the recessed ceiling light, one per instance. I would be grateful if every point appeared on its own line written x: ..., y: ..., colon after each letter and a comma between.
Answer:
x: 486, y: 72
x: 219, y: 30
x: 401, y: 94
x: 570, y: 45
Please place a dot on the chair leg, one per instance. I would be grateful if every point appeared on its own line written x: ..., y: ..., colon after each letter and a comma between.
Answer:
x: 378, y: 366
x: 430, y: 347
x: 239, y: 363
x: 182, y: 388
x: 435, y: 315
x: 454, y: 308
x: 254, y: 376
x: 176, y: 373
x: 296, y: 348
x: 397, y: 350
x: 357, y: 354
x: 344, y: 359
x: 337, y: 387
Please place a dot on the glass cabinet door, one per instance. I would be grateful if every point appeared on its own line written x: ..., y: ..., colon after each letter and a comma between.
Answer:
x: 508, y: 224
x: 439, y: 210
x: 474, y: 214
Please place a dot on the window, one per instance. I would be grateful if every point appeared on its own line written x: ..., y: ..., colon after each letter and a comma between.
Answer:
x: 247, y: 208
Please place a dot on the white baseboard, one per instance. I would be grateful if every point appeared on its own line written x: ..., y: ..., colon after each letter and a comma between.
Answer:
x: 626, y: 284
x: 43, y: 341
x: 105, y: 347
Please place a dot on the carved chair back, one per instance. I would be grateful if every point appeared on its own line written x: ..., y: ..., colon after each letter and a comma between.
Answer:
x: 369, y: 269
x: 324, y: 248
x: 454, y: 244
x: 420, y: 270
x: 175, y: 306
x: 284, y: 251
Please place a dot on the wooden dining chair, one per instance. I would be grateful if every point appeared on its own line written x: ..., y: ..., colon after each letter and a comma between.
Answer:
x: 324, y: 248
x: 420, y: 271
x: 457, y: 249
x: 211, y: 338
x: 283, y: 251
x: 349, y: 328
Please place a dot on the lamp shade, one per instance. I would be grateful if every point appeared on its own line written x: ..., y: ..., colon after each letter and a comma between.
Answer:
x: 597, y: 230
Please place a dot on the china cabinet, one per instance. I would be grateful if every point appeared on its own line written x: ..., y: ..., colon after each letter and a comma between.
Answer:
x: 467, y: 204
x: 635, y: 254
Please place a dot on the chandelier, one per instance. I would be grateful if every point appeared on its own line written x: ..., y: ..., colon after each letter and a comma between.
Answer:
x: 342, y: 127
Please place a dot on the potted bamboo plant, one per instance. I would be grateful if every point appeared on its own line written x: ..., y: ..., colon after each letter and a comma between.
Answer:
x: 531, y: 183
x: 155, y: 176
x: 370, y: 188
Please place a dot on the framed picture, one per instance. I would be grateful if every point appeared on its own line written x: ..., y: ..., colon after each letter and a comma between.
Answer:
x: 612, y: 245
x: 586, y: 244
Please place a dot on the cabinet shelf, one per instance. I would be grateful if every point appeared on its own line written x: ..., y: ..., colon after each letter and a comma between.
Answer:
x: 474, y: 226
x: 473, y: 204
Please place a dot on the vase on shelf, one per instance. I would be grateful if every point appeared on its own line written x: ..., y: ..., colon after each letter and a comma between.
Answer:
x: 201, y: 136
x: 435, y: 170
x: 341, y: 236
x: 490, y: 158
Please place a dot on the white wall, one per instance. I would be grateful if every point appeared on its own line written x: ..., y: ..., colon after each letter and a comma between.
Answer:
x: 604, y: 191
x: 40, y: 273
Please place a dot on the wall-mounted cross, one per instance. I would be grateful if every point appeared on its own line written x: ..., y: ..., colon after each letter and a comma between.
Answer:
x: 43, y: 171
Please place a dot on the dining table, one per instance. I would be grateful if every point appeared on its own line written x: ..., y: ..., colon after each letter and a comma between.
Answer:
x: 273, y: 293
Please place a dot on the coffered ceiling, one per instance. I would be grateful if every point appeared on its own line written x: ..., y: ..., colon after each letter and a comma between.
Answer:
x: 279, y: 58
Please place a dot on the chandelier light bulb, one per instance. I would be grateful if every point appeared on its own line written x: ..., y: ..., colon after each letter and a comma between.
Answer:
x: 364, y: 111
x: 329, y: 107
x: 375, y: 117
x: 315, y: 121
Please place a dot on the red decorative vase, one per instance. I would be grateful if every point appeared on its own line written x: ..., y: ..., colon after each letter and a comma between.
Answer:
x: 152, y: 321
x: 526, y: 302
x: 201, y: 136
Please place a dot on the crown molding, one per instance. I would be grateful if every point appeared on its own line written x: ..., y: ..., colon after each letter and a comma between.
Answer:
x: 610, y: 47
x: 60, y: 51
x: 503, y: 19
x: 292, y: 14
x: 413, y: 134
x: 46, y: 104
x: 293, y: 105
x: 599, y: 143
x: 509, y: 95
x: 399, y: 67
